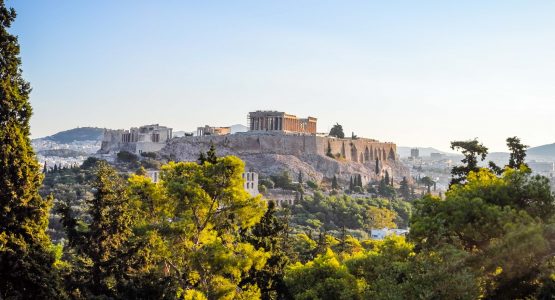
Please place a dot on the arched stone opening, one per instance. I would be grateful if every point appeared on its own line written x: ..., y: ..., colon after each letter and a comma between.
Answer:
x: 354, y: 155
x: 366, y: 154
x: 391, y: 154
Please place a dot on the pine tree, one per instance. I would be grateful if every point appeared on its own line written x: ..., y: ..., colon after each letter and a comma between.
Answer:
x: 377, y: 167
x: 518, y: 153
x: 26, y: 263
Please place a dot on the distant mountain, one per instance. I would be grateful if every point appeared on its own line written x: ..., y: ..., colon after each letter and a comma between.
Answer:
x: 404, y: 151
x: 544, y: 150
x: 238, y: 128
x: 77, y: 134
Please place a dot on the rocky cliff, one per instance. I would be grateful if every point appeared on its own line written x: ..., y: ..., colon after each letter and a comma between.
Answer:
x: 269, y: 154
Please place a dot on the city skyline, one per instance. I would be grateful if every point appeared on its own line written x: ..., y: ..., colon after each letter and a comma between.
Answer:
x: 417, y: 74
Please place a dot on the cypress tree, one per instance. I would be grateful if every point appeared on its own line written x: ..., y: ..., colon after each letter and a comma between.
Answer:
x: 334, y: 184
x: 377, y: 167
x: 26, y: 263
x: 211, y: 154
x: 106, y: 242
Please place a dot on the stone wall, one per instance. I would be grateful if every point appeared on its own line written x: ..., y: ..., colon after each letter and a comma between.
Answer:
x: 358, y: 150
x: 270, y: 154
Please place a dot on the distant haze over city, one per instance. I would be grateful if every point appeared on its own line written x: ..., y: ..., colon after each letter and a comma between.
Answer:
x: 411, y: 72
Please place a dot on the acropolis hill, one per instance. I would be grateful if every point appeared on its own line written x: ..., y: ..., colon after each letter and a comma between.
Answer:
x: 277, y: 141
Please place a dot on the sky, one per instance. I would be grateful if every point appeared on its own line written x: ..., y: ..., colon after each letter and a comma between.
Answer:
x: 417, y: 73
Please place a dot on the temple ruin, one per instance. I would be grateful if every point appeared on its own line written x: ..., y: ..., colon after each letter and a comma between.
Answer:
x: 147, y: 138
x: 276, y: 121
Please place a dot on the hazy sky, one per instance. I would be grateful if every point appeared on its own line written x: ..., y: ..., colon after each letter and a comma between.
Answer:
x: 412, y: 72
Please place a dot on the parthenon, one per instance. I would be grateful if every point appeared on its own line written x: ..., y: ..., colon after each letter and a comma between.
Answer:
x: 280, y: 122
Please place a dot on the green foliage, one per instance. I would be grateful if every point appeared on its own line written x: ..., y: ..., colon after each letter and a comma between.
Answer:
x: 89, y: 163
x: 283, y: 180
x: 99, y: 249
x: 323, y: 278
x: 518, y: 153
x: 148, y: 155
x: 472, y: 150
x: 192, y: 221
x: 332, y: 213
x: 337, y: 131
x: 127, y: 157
x: 502, y: 223
x: 380, y: 218
x: 428, y: 182
x: 404, y: 189
x: 311, y: 184
x: 27, y: 264
x: 269, y: 234
x: 334, y: 184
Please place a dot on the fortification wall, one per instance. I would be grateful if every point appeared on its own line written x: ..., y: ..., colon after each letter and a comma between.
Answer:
x: 357, y: 150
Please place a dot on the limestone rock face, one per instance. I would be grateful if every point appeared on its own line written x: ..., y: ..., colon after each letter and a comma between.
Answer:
x: 269, y: 154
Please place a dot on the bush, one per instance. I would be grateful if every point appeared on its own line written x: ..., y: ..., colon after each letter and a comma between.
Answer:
x: 90, y: 162
x: 128, y: 157
x: 311, y: 184
x: 283, y: 180
x: 267, y: 182
x: 149, y: 155
x: 151, y: 164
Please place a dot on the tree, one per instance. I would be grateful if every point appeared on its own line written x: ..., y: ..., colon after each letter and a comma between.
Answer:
x: 404, y: 189
x: 26, y: 262
x: 104, y: 242
x: 334, y: 184
x: 377, y: 169
x: 323, y: 278
x: 283, y: 180
x: 193, y: 220
x: 472, y: 150
x: 351, y: 184
x: 269, y: 234
x: 502, y: 223
x: 337, y: 131
x: 201, y: 158
x: 428, y: 182
x: 518, y: 153
x: 211, y: 154
x: 380, y: 218
x: 300, y: 177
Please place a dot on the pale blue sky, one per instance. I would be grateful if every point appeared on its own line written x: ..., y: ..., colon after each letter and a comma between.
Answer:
x: 412, y: 72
